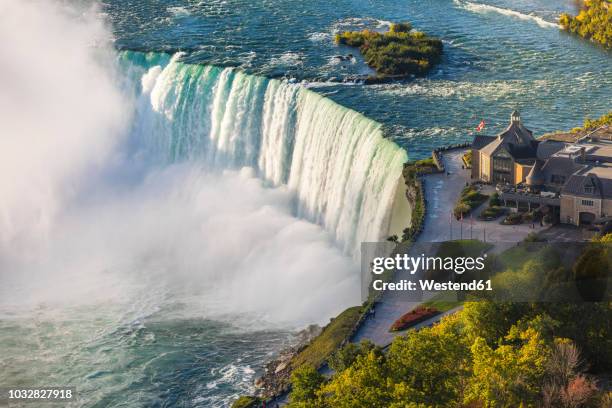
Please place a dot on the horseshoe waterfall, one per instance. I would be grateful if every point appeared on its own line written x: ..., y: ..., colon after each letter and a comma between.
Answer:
x: 343, y: 173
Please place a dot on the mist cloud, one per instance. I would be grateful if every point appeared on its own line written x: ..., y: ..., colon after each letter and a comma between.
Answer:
x: 60, y: 110
x: 82, y: 223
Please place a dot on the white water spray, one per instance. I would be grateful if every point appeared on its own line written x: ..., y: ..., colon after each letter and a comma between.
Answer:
x: 342, y: 170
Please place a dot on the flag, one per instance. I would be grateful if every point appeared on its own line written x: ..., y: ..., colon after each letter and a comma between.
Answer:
x: 481, y: 126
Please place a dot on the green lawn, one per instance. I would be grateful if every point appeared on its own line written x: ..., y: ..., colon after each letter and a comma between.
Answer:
x: 246, y: 402
x: 439, y: 302
x: 332, y: 336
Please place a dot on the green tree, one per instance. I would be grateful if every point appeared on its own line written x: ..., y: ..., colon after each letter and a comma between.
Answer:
x: 346, y: 356
x: 594, y: 22
x: 491, y: 320
x: 510, y: 375
x: 305, y: 381
x: 364, y: 384
x: 591, y: 272
x: 589, y: 325
x: 431, y: 366
x: 606, y: 238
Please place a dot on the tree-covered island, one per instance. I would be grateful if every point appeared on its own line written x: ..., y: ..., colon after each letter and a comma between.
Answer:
x: 594, y: 22
x: 396, y: 54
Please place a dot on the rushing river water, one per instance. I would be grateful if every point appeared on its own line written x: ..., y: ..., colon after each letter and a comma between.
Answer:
x: 499, y: 55
x: 252, y: 166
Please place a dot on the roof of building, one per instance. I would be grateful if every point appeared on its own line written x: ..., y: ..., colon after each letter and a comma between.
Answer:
x: 559, y: 166
x: 525, y: 151
x: 547, y: 148
x: 516, y: 133
x: 516, y: 139
x: 492, y: 147
x: 481, y: 141
x: 598, y: 151
x: 536, y: 176
x: 577, y: 183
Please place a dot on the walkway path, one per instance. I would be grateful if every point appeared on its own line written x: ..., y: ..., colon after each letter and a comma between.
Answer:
x: 441, y: 192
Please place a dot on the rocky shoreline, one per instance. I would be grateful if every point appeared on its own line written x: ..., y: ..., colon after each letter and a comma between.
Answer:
x: 275, y: 380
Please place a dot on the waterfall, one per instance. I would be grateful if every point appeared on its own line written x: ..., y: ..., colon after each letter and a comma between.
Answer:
x: 343, y: 172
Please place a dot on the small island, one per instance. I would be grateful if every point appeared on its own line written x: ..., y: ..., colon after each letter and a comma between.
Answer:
x: 396, y: 54
x: 594, y: 22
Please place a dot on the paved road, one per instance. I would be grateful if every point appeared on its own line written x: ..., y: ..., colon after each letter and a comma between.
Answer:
x: 441, y: 192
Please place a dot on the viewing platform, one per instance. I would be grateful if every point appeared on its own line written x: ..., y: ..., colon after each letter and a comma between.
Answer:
x: 530, y: 198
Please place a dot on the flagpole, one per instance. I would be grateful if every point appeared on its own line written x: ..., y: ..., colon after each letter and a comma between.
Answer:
x: 471, y: 226
x: 450, y: 224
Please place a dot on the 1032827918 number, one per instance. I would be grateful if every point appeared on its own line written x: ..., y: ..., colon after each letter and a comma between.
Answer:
x: 25, y: 394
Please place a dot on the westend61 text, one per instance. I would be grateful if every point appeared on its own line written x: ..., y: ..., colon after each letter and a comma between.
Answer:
x: 431, y: 285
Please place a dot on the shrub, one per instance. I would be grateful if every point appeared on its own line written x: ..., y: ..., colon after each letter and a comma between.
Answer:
x: 461, y: 209
x: 401, y: 27
x: 467, y: 159
x: 469, y: 199
x: 590, y: 124
x: 393, y: 238
x: 494, y: 200
x: 513, y: 219
x: 417, y: 315
x: 491, y: 213
x: 533, y: 237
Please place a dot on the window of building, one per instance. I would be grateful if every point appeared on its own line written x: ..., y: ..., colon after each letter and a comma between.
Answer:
x: 502, y: 165
x: 502, y: 177
x: 589, y: 189
x: 557, y: 179
x: 587, y: 203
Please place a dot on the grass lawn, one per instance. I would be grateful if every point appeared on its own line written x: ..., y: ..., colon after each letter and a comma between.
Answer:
x: 246, y: 402
x: 463, y: 247
x: 332, y: 336
x: 439, y: 302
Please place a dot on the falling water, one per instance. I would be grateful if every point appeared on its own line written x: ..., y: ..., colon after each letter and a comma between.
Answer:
x: 343, y: 172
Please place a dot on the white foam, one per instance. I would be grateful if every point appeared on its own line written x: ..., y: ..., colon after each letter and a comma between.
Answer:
x: 178, y: 11
x: 485, y: 8
x: 287, y: 59
x: 320, y: 37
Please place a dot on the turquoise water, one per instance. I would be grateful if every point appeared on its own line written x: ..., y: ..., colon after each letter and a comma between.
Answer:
x: 158, y: 316
x: 500, y: 55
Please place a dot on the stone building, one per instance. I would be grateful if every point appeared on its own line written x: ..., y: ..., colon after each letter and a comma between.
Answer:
x: 507, y: 157
x: 573, y: 179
